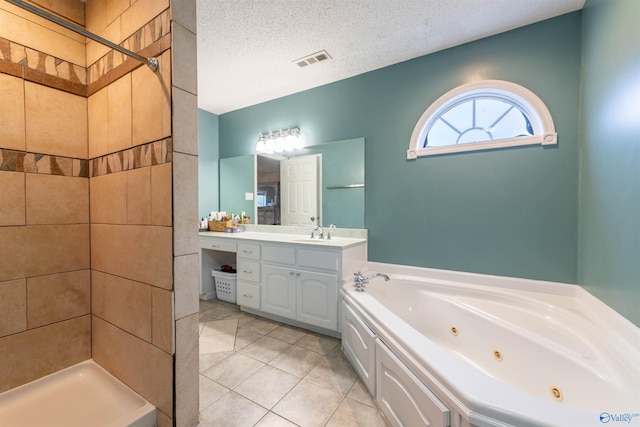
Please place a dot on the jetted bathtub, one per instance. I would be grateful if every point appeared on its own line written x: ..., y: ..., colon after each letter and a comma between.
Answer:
x: 491, y: 351
x: 83, y: 395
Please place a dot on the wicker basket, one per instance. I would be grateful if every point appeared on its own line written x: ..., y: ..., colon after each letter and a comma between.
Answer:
x: 220, y: 225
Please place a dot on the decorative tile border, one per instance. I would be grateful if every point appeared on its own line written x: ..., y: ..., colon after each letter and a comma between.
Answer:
x: 22, y: 161
x: 35, y: 60
x: 153, y: 31
x: 151, y: 154
x: 39, y: 67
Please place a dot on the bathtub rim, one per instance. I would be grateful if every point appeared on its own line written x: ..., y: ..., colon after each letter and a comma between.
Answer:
x: 624, y: 330
x: 446, y: 374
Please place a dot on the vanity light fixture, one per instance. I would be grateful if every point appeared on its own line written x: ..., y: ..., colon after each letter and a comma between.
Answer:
x: 279, y: 141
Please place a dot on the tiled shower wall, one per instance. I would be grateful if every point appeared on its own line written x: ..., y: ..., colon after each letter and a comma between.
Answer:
x: 135, y: 312
x: 45, y: 290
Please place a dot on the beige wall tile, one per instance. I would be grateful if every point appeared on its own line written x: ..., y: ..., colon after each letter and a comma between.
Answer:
x: 186, y: 284
x: 185, y: 58
x: 58, y: 297
x: 141, y: 12
x: 12, y: 207
x: 187, y: 381
x: 161, y: 194
x: 140, y: 253
x: 119, y: 112
x: 70, y: 9
x: 12, y: 253
x: 184, y: 12
x: 139, y: 196
x: 13, y: 307
x: 150, y: 104
x: 42, y: 351
x: 163, y: 420
x: 165, y: 70
x: 163, y: 319
x: 115, y: 8
x: 185, y: 203
x: 98, y: 128
x: 11, y: 112
x: 109, y: 198
x: 122, y: 302
x: 46, y: 133
x: 95, y: 15
x: 39, y: 250
x: 185, y: 122
x: 27, y: 29
x: 56, y: 248
x: 140, y: 365
x: 55, y: 199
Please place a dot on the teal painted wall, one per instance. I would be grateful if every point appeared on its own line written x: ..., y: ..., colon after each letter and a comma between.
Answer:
x: 508, y: 212
x: 208, y: 148
x: 609, y: 255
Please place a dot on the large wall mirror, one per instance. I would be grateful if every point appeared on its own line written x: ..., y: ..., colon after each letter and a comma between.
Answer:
x: 320, y: 184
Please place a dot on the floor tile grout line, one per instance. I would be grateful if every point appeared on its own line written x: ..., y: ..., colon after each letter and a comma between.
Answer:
x: 333, y: 353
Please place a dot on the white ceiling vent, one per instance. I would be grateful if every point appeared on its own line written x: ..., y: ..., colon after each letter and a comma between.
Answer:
x: 312, y: 59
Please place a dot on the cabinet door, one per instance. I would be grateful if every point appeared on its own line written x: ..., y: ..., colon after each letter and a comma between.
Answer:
x: 358, y: 344
x: 278, y: 291
x: 318, y: 299
x: 404, y: 400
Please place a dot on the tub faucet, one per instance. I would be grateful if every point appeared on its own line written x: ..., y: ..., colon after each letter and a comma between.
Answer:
x: 359, y: 280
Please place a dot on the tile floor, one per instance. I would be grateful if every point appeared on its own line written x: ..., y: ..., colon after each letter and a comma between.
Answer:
x: 258, y: 372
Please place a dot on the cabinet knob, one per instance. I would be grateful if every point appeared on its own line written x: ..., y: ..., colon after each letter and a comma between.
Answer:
x: 247, y: 271
x: 215, y: 246
x: 297, y: 274
x: 247, y: 252
x: 248, y: 296
x: 291, y: 273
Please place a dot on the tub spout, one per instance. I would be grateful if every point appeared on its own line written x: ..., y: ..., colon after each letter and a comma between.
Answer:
x: 359, y: 280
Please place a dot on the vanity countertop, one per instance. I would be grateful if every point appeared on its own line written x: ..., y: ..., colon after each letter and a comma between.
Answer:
x: 298, y: 239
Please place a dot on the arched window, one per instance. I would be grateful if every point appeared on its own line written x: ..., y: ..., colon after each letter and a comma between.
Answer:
x: 480, y: 116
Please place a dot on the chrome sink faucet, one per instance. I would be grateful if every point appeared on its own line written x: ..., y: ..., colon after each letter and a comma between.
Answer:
x: 359, y: 280
x: 321, y: 236
x: 331, y: 228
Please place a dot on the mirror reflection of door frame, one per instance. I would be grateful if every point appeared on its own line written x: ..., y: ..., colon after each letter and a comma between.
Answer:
x: 310, y: 177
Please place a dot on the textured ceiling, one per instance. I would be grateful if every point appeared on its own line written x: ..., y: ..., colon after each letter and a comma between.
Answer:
x: 246, y: 48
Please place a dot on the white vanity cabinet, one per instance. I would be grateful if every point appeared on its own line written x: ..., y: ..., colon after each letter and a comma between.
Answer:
x: 301, y: 284
x: 248, y: 270
x: 289, y: 278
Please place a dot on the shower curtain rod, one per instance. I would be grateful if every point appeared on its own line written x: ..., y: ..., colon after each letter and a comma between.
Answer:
x: 151, y: 62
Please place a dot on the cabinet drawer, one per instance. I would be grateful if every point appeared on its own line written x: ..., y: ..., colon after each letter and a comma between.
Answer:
x: 325, y: 260
x: 217, y: 244
x: 248, y: 270
x: 279, y: 254
x: 249, y: 295
x: 248, y: 250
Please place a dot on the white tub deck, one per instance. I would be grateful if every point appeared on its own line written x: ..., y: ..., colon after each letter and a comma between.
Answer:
x: 79, y: 396
x: 503, y: 347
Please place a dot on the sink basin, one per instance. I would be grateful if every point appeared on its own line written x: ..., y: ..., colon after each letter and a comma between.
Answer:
x: 316, y: 241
